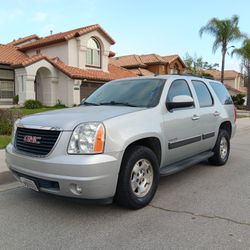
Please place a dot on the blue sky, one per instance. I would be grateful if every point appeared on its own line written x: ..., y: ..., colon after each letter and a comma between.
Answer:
x: 138, y: 27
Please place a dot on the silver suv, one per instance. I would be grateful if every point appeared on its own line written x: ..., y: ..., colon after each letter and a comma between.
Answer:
x: 123, y: 137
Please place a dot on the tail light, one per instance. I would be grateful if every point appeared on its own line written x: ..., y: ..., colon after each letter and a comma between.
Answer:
x: 235, y: 114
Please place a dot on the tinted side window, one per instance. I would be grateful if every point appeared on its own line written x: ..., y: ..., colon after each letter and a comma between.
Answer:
x: 221, y: 92
x: 203, y: 93
x: 178, y: 87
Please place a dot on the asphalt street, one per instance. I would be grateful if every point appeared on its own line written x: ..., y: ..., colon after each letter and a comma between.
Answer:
x: 203, y: 207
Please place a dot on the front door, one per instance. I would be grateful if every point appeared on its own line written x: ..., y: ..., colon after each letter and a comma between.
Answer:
x: 181, y: 126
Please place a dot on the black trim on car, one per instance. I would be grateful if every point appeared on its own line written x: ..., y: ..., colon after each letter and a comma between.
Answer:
x: 173, y: 145
x: 207, y: 136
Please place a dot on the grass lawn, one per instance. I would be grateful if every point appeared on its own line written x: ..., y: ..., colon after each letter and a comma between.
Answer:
x: 4, y: 141
x: 25, y: 111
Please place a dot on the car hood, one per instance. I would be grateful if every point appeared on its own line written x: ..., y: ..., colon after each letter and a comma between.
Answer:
x: 69, y: 118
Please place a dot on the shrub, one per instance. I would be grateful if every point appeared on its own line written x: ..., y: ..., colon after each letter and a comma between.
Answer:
x: 238, y: 99
x: 7, y: 119
x: 15, y: 99
x: 32, y: 104
x: 59, y: 104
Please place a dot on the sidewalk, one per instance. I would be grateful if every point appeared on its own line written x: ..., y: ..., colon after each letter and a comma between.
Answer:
x: 5, y: 174
x: 243, y: 113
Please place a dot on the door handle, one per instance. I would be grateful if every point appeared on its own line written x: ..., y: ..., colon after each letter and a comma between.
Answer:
x: 216, y: 113
x: 195, y: 117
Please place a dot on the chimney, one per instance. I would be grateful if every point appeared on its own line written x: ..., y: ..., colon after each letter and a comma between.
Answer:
x: 51, y: 32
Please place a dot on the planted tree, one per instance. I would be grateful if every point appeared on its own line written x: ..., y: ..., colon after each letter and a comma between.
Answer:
x: 244, y: 53
x: 225, y: 32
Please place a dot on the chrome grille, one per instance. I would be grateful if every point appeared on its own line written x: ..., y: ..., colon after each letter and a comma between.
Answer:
x: 35, y: 141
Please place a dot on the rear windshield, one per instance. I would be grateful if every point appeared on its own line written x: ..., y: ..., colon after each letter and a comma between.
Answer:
x: 222, y: 93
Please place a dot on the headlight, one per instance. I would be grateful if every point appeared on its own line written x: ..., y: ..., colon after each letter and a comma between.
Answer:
x: 87, y: 138
x: 14, y: 131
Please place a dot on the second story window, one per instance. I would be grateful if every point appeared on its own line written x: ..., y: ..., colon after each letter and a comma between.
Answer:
x: 93, y: 53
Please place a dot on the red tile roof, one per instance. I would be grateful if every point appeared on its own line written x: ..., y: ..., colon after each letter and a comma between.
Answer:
x: 142, y: 72
x: 64, y: 36
x: 29, y: 60
x: 127, y: 61
x: 152, y: 59
x: 171, y: 58
x: 91, y: 74
x: 133, y: 61
x: 24, y: 39
x: 10, y: 55
x: 228, y: 74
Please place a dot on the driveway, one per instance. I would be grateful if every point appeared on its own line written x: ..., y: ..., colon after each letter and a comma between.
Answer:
x: 203, y: 207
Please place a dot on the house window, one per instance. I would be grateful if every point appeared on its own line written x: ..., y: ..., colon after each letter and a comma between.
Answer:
x: 175, y: 69
x: 7, y: 87
x: 93, y: 53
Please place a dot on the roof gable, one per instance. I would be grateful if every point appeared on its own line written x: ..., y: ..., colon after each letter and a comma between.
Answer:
x: 64, y: 36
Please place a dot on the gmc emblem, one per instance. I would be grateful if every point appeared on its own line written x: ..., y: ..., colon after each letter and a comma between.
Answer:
x: 32, y: 139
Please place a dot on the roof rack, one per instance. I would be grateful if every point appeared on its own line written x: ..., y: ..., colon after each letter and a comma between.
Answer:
x: 186, y: 74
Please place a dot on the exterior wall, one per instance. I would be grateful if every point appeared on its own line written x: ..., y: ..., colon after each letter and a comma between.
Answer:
x: 77, y: 50
x: 157, y: 68
x: 57, y: 50
x: 68, y: 90
x: 231, y: 82
x: 179, y: 67
x: 25, y: 82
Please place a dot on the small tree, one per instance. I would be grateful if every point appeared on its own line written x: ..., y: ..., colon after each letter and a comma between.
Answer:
x: 196, y: 65
x: 244, y: 53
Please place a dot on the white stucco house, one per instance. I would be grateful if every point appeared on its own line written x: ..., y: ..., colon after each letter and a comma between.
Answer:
x: 63, y: 67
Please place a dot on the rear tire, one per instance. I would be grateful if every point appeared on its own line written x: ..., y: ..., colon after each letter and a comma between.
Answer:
x: 221, y: 149
x: 138, y: 178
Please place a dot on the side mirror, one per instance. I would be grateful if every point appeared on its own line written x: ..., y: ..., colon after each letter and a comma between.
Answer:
x: 180, y: 101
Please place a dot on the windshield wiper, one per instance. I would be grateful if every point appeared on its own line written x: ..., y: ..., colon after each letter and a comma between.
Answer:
x: 118, y: 104
x: 90, y: 104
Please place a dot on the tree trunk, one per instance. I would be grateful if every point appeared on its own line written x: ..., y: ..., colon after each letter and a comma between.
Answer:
x: 248, y: 87
x: 223, y: 64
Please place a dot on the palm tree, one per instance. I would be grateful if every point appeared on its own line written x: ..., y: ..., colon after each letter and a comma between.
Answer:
x: 244, y: 53
x: 224, y: 31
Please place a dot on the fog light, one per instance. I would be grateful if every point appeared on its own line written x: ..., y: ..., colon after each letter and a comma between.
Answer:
x: 78, y: 189
x: 75, y: 189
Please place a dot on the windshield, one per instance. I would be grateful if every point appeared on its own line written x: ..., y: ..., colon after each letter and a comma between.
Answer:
x: 135, y: 93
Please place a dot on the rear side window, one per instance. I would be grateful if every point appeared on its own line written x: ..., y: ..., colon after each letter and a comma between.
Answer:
x: 204, y: 96
x: 178, y: 87
x: 222, y: 93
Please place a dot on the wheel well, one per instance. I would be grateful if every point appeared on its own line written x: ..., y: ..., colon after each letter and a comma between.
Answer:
x: 227, y: 126
x: 151, y: 142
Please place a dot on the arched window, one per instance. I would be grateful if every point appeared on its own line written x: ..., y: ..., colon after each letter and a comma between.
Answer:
x: 93, y: 53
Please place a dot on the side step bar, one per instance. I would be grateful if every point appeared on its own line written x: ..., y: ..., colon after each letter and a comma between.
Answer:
x: 180, y: 165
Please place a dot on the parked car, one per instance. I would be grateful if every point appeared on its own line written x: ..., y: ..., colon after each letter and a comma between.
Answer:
x: 123, y: 137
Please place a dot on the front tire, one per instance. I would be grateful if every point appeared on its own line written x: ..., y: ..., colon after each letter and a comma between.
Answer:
x: 138, y: 178
x: 221, y: 149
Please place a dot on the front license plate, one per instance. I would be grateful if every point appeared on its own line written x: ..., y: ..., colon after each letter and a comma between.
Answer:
x: 29, y: 183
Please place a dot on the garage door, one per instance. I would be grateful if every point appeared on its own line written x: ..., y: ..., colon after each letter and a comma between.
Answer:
x: 88, y: 88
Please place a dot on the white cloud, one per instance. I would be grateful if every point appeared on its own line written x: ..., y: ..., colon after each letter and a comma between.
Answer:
x: 40, y: 16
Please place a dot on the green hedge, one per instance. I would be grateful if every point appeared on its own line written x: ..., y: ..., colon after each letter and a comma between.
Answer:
x: 32, y: 104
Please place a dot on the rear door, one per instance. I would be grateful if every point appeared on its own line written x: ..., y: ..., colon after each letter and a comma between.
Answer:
x: 209, y: 115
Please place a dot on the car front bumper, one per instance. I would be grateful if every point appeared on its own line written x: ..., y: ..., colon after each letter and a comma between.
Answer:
x: 62, y: 174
